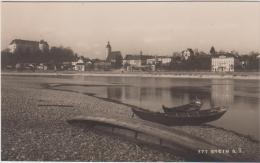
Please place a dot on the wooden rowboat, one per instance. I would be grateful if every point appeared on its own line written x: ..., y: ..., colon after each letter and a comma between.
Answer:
x: 181, y: 118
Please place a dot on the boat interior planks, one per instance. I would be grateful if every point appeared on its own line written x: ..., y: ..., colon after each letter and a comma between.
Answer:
x: 190, y: 107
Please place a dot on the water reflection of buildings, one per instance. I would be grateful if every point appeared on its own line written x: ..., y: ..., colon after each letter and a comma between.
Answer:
x: 150, y: 94
x: 123, y: 93
x: 153, y: 97
x: 146, y: 97
x: 222, y: 92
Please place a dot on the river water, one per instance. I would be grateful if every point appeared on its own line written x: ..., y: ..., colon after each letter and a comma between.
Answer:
x: 240, y: 96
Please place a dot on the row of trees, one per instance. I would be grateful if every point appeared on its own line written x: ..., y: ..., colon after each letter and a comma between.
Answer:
x: 194, y: 62
x: 249, y: 62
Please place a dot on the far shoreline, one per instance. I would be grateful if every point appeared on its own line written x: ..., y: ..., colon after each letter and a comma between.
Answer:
x: 177, y: 75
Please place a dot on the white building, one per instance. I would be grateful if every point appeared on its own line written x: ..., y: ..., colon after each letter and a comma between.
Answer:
x: 79, y: 65
x: 222, y: 64
x: 133, y: 60
x: 151, y: 61
x: 164, y: 59
x: 158, y: 59
x: 186, y: 54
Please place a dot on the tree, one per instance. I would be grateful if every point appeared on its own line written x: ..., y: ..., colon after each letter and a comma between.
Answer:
x: 191, y: 51
x: 60, y: 54
x: 6, y: 58
x: 253, y: 61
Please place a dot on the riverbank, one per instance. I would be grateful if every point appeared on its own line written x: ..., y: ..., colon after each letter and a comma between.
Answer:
x: 194, y: 75
x: 34, y: 127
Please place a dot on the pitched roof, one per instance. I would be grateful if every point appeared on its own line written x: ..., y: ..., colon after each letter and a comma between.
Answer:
x: 19, y: 41
x: 114, y: 55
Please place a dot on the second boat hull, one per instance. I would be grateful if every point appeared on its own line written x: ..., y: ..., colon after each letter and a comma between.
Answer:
x: 195, y: 118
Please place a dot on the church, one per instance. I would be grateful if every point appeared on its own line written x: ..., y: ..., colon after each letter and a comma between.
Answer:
x: 113, y: 57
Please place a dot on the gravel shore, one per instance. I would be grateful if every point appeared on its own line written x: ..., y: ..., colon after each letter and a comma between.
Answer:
x: 34, y: 127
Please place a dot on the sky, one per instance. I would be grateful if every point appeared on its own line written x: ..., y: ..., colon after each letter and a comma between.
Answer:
x: 155, y: 28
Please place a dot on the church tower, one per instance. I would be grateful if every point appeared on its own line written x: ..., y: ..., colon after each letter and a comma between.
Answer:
x: 108, y: 49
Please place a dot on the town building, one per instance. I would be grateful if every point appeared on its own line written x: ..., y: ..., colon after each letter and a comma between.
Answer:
x: 132, y: 60
x: 43, y: 46
x: 113, y: 57
x: 162, y: 60
x: 145, y: 62
x: 186, y: 54
x: 79, y: 65
x: 165, y: 60
x: 41, y: 66
x: 137, y: 60
x: 101, y: 65
x: 151, y: 61
x: 27, y: 46
x: 222, y: 64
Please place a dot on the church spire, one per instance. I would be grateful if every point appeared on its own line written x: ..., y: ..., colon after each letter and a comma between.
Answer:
x: 108, y: 49
x: 108, y: 45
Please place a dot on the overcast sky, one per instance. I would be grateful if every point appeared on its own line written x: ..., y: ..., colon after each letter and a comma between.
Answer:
x: 155, y: 28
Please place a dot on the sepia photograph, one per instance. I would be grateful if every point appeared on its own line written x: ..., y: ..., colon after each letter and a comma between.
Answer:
x: 130, y: 81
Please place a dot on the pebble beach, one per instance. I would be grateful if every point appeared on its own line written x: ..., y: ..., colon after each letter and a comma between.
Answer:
x: 34, y: 127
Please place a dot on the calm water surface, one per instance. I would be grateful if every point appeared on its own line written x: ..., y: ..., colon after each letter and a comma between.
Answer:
x: 240, y: 96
